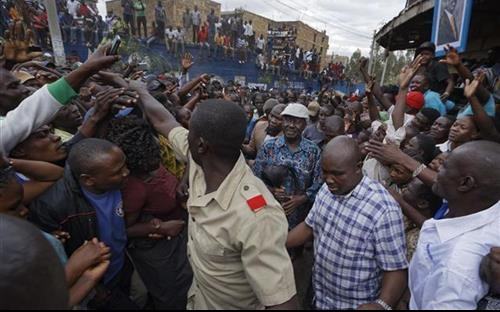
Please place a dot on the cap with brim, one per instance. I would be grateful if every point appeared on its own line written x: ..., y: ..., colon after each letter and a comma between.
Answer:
x: 296, y: 110
x: 23, y: 76
x: 426, y: 46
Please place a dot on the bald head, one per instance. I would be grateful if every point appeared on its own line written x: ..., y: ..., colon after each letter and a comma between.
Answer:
x: 341, y: 165
x: 471, y: 175
x: 334, y: 126
x: 480, y: 160
x: 343, y: 150
x: 31, y: 274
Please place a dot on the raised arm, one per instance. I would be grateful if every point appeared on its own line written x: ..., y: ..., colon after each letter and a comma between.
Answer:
x: 407, y: 74
x: 161, y: 119
x: 376, y: 90
x: 453, y: 59
x: 482, y: 120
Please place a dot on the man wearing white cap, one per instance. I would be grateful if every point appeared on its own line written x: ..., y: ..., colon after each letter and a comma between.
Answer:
x: 301, y: 160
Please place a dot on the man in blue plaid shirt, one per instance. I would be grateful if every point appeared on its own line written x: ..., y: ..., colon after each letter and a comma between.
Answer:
x: 359, y: 240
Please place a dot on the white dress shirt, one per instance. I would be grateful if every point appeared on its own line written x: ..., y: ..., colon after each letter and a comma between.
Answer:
x: 444, y: 273
x: 445, y: 147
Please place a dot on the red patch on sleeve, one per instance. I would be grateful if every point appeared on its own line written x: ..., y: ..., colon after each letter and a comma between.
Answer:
x: 257, y: 203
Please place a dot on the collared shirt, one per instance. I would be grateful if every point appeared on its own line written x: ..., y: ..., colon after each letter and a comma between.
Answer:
x: 445, y: 147
x: 305, y: 165
x: 196, y: 18
x: 444, y: 273
x: 238, y: 255
x: 357, y: 238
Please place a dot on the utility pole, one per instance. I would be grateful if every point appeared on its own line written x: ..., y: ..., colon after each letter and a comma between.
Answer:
x: 372, y: 52
x: 55, y: 33
x: 386, y: 63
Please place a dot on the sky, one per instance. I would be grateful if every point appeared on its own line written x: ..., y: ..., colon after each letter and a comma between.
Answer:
x: 349, y: 23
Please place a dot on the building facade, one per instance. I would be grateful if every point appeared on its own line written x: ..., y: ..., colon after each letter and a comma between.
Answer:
x: 174, y: 9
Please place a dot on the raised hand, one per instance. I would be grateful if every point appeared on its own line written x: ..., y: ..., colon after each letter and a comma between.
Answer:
x: 187, y: 62
x: 472, y: 86
x: 99, y: 60
x: 409, y: 72
x: 106, y: 99
x: 363, y: 62
x: 452, y: 58
x: 370, y: 85
x: 17, y: 43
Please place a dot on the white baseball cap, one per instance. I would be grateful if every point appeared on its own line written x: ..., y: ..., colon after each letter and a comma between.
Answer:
x: 296, y: 110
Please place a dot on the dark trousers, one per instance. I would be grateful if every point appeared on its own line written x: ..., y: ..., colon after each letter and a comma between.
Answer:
x: 160, y: 25
x: 129, y: 21
x: 115, y: 294
x: 196, y: 29
x: 141, y: 20
x: 42, y: 38
x: 165, y: 270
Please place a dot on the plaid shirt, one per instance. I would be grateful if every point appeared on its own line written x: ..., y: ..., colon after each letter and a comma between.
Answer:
x: 357, y: 238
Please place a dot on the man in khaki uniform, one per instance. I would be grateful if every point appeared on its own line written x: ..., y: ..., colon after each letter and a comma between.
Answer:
x: 237, y: 231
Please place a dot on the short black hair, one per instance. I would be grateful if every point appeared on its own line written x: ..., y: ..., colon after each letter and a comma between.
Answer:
x: 424, y: 192
x: 135, y: 138
x: 31, y: 274
x: 431, y: 114
x: 222, y: 124
x: 428, y: 147
x: 84, y: 155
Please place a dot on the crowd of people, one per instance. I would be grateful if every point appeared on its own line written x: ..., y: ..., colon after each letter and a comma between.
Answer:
x: 121, y: 189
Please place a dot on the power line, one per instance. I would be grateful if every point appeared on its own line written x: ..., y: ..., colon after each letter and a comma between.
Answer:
x: 340, y: 26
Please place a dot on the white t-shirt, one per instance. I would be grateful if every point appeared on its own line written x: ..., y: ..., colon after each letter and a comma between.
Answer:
x: 248, y: 30
x: 171, y: 34
x: 218, y: 27
x: 73, y: 7
x: 261, y: 43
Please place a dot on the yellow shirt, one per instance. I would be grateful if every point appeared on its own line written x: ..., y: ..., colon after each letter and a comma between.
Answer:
x: 238, y: 255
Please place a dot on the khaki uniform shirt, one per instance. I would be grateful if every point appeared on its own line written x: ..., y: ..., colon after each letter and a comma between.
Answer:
x: 237, y: 252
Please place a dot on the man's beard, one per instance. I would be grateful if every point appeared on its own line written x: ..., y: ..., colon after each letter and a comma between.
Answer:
x: 273, y: 131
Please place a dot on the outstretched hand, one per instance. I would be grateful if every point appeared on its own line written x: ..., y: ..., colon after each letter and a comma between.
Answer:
x: 17, y: 43
x: 452, y: 58
x: 409, y: 72
x: 472, y: 86
x: 99, y: 60
x: 187, y: 62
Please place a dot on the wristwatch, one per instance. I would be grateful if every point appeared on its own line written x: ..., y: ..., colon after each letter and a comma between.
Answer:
x: 383, y: 304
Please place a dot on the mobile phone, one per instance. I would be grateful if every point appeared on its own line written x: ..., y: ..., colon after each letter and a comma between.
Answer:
x: 115, y: 45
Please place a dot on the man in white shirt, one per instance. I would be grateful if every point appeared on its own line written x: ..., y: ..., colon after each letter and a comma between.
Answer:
x: 196, y: 22
x: 73, y: 7
x: 171, y: 35
x: 444, y: 273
